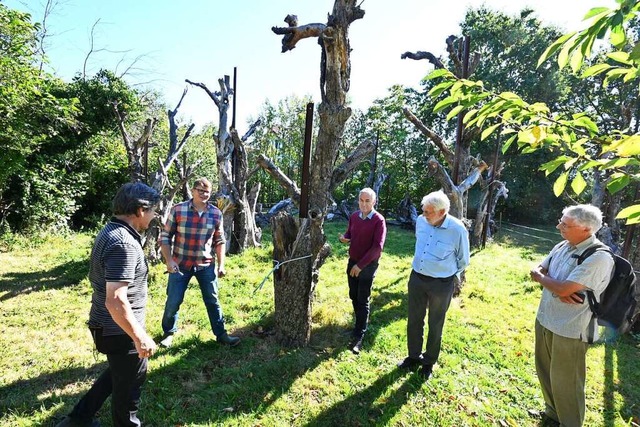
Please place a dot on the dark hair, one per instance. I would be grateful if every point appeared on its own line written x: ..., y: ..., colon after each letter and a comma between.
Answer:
x: 134, y: 195
x: 202, y: 182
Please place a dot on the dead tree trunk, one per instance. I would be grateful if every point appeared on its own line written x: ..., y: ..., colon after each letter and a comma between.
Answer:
x: 469, y: 168
x: 295, y: 284
x: 160, y: 178
x: 135, y: 148
x: 240, y: 227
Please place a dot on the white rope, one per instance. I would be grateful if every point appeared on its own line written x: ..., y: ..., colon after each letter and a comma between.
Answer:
x: 277, y: 266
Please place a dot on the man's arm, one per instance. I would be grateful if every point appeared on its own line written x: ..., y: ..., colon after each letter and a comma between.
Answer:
x: 120, y: 310
x: 463, y: 257
x: 166, y: 236
x: 562, y: 288
x: 221, y: 246
x: 220, y: 254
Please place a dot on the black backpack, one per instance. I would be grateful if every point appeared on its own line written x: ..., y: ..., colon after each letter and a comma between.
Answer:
x: 619, y: 304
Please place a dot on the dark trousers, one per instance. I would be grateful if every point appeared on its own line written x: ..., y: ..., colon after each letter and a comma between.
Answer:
x: 360, y: 294
x: 122, y: 380
x: 434, y: 294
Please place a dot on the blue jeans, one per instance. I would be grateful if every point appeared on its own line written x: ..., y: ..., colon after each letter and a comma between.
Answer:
x: 177, y: 286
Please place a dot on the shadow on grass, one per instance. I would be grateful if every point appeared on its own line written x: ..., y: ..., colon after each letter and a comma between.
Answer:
x: 625, y: 357
x: 13, y: 395
x: 209, y: 383
x: 361, y: 408
x: 67, y: 274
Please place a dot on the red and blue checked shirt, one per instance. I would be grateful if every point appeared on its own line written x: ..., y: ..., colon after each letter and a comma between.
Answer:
x: 193, y: 236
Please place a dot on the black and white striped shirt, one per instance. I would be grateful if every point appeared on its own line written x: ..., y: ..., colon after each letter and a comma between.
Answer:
x: 117, y: 256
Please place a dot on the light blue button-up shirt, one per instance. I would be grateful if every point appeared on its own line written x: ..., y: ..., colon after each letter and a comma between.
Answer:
x: 441, y: 251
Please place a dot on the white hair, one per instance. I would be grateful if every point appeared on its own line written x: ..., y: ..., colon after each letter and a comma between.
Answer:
x: 438, y: 200
x: 586, y: 215
x: 370, y: 192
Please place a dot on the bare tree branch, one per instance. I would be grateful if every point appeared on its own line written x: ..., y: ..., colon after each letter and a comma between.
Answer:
x: 293, y: 33
x: 431, y: 135
x: 423, y: 55
x: 360, y: 154
x: 290, y: 187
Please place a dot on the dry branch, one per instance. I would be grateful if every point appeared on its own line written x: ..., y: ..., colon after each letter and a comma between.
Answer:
x: 434, y: 137
x: 290, y: 187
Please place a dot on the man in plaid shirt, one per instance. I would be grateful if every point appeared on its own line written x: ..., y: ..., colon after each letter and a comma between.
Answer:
x: 193, y: 229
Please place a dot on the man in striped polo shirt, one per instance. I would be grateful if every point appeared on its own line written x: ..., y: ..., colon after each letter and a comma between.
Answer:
x: 193, y: 230
x: 118, y: 275
x: 365, y: 234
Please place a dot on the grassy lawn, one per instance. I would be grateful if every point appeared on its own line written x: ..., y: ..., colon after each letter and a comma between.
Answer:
x: 485, y: 374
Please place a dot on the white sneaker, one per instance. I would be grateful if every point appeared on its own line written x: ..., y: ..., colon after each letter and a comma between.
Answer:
x: 167, y: 341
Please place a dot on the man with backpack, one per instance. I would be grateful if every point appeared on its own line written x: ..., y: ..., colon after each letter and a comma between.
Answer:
x: 564, y: 323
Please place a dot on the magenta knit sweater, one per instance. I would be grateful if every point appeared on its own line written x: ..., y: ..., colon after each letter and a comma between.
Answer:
x: 367, y: 238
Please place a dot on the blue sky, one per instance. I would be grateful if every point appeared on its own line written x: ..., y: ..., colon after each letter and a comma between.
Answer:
x: 202, y: 40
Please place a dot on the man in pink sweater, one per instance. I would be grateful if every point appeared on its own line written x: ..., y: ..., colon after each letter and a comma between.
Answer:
x: 365, y: 234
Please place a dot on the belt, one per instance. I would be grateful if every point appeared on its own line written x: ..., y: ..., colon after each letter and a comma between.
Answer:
x: 196, y: 268
x: 424, y: 276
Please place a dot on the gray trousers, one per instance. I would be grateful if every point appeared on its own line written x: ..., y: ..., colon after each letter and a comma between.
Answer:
x: 434, y: 294
x: 561, y: 368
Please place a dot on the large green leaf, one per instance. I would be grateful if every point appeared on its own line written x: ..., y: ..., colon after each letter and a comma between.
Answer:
x: 554, y: 47
x: 488, y: 131
x: 560, y: 184
x: 508, y: 143
x: 552, y: 165
x: 595, y: 70
x: 440, y: 87
x: 454, y: 111
x: 620, y: 56
x: 445, y: 103
x: 440, y: 72
x: 626, y: 212
x: 629, y: 146
x: 596, y: 11
x: 578, y: 184
x: 635, y: 53
x: 618, y: 35
x: 617, y: 182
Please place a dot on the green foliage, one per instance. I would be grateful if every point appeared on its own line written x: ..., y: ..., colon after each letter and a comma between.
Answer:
x: 577, y: 138
x: 29, y: 112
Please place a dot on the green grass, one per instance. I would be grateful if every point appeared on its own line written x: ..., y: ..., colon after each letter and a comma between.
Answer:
x: 485, y: 375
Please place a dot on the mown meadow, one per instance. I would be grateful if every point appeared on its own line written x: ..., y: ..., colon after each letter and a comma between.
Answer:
x: 485, y: 375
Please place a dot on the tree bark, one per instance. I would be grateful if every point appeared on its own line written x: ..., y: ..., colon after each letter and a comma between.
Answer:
x: 295, y: 284
x: 240, y: 227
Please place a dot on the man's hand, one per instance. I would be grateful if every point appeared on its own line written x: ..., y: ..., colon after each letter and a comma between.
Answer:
x: 355, y: 271
x: 343, y: 239
x: 537, y: 274
x: 172, y: 266
x: 146, y: 347
x: 221, y: 271
x: 573, y: 299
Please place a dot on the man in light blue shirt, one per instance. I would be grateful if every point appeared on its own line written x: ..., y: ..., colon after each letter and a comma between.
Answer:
x: 442, y: 252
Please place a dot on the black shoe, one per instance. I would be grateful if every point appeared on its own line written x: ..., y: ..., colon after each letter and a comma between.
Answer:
x: 409, y: 363
x: 356, y: 345
x: 229, y: 340
x: 426, y: 370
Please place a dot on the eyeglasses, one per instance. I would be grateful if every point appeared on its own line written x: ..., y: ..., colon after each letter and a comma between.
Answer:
x: 202, y: 191
x: 564, y: 225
